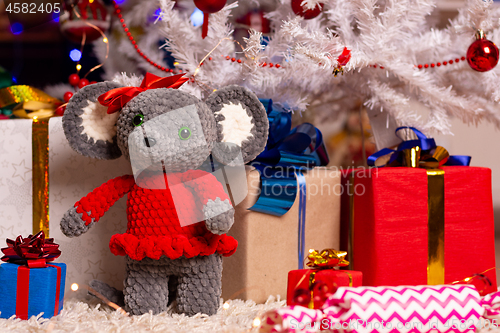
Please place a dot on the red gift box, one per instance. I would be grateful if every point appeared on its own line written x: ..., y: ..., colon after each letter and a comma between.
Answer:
x: 390, y: 226
x: 322, y: 282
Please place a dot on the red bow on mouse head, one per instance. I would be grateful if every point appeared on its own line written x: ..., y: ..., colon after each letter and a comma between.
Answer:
x: 116, y: 99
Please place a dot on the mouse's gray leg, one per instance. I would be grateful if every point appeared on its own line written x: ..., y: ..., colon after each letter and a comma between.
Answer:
x: 146, y: 286
x: 199, y: 288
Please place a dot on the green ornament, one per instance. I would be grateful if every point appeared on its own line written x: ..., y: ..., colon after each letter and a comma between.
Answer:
x: 5, y: 78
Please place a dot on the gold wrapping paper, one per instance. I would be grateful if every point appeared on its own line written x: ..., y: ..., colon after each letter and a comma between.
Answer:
x: 40, y: 162
x: 312, y: 281
x: 28, y: 102
x: 435, y: 208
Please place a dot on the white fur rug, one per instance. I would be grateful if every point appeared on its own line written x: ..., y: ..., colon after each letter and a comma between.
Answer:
x: 91, y: 316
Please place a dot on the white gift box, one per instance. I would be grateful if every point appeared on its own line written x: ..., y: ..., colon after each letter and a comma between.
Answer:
x: 71, y: 177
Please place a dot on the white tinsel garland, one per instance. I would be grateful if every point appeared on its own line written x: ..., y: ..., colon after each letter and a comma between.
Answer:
x: 392, y: 34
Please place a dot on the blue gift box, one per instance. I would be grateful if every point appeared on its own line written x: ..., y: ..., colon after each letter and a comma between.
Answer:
x: 41, y: 292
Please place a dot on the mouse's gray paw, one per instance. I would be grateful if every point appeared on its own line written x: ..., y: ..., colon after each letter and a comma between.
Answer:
x: 219, y: 216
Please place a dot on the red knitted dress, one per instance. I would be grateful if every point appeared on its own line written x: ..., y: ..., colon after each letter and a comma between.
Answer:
x: 153, y: 227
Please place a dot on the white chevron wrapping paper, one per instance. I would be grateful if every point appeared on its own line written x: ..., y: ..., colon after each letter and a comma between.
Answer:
x: 407, y: 309
x: 404, y: 309
x: 491, y: 303
x: 291, y: 319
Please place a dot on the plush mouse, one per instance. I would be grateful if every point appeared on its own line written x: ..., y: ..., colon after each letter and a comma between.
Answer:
x: 178, y: 215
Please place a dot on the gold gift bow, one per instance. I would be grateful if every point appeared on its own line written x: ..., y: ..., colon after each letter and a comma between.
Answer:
x: 326, y: 259
x: 28, y: 102
x: 435, y: 206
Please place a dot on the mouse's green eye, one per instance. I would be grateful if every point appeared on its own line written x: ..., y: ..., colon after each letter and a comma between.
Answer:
x: 184, y: 133
x: 138, y: 120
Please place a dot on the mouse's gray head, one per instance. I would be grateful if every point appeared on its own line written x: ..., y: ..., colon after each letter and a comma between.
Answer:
x: 168, y: 126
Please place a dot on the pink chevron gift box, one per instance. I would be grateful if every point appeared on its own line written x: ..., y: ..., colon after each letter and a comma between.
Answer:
x: 404, y: 309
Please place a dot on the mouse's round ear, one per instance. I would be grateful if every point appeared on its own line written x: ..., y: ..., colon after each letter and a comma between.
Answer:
x: 90, y: 130
x: 241, y: 122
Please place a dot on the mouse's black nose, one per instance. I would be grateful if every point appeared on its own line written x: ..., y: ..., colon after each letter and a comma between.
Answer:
x: 149, y: 142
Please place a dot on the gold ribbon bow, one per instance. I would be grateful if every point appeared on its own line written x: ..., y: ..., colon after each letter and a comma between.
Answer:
x: 327, y: 258
x: 431, y: 160
x: 28, y: 102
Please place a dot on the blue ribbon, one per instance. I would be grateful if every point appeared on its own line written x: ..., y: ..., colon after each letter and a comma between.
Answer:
x: 302, y: 218
x: 460, y: 160
x: 426, y: 145
x: 288, y: 153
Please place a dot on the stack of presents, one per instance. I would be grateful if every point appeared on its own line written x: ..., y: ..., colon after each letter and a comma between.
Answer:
x: 415, y: 222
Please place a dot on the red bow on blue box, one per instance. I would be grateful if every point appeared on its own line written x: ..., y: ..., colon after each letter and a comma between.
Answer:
x: 34, y: 251
x: 31, y: 284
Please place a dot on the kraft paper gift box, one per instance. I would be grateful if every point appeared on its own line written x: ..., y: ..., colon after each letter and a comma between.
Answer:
x: 268, y: 245
x: 70, y: 176
x: 393, y: 230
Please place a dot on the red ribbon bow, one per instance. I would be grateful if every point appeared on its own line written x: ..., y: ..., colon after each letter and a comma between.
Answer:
x: 116, y: 99
x: 34, y: 251
x: 344, y: 57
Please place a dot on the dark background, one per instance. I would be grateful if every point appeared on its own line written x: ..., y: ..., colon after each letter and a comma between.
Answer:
x: 39, y: 56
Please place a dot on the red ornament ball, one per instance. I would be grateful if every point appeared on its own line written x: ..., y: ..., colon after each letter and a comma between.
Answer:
x: 93, y: 82
x: 60, y: 110
x: 302, y: 297
x: 210, y: 6
x: 308, y: 14
x: 83, y: 83
x: 73, y: 79
x: 482, y: 55
x: 67, y: 96
x: 321, y: 287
